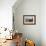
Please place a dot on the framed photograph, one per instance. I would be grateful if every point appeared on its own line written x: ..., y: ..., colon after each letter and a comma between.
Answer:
x: 29, y: 19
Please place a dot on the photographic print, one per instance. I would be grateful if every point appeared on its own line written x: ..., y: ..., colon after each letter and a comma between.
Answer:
x: 29, y: 19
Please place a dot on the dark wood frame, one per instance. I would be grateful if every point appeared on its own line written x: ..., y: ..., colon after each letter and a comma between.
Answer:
x: 29, y: 16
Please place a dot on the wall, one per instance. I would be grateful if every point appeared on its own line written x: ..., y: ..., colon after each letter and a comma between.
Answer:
x: 6, y: 18
x: 28, y: 7
x: 6, y: 13
x: 43, y: 22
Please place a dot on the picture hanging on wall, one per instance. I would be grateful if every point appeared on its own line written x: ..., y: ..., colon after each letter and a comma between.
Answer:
x: 29, y: 19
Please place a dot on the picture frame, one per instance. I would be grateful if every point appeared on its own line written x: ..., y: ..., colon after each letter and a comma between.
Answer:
x: 29, y: 19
